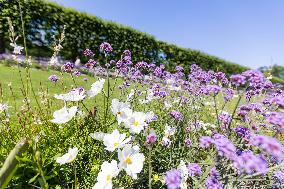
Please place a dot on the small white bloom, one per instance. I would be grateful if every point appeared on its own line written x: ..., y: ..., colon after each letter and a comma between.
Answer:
x: 184, y: 174
x: 150, y: 116
x: 169, y: 131
x: 269, y: 77
x: 17, y: 48
x: 115, y: 140
x: 150, y: 96
x: 131, y: 160
x: 96, y: 88
x: 166, y: 141
x: 167, y: 104
x: 105, y: 176
x: 131, y: 95
x: 64, y: 115
x: 136, y: 122
x: 98, y: 135
x: 68, y: 157
x: 120, y: 110
x: 3, y: 107
x: 209, y: 103
x: 74, y: 95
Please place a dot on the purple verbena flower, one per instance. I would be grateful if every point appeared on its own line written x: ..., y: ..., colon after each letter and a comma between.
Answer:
x: 90, y: 64
x: 193, y: 169
x: 77, y: 73
x: 269, y: 145
x: 243, y: 132
x: 177, y: 115
x: 224, y: 146
x: 249, y: 163
x: 88, y: 52
x: 238, y: 80
x: 53, y: 78
x: 212, y: 181
x: 68, y: 67
x: 173, y: 179
x: 277, y: 119
x: 151, y: 138
x: 279, y: 176
x: 188, y: 142
x: 205, y: 141
x: 106, y: 47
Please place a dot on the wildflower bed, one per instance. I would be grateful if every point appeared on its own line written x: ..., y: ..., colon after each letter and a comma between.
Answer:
x: 136, y: 125
x: 143, y: 128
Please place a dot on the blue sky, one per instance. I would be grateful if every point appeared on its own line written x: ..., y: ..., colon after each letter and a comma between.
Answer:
x: 247, y: 32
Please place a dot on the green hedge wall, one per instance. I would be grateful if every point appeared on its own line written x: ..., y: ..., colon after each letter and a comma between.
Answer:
x: 44, y: 19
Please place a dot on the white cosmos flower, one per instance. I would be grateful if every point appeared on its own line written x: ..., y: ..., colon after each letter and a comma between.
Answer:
x: 17, y: 48
x: 98, y: 135
x: 74, y: 95
x: 115, y: 140
x: 136, y: 122
x: 96, y: 88
x: 131, y: 160
x: 64, y: 115
x: 105, y: 176
x: 120, y: 110
x: 68, y: 157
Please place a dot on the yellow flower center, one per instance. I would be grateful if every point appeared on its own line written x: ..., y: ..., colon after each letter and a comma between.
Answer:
x: 108, y: 177
x: 128, y: 160
x: 119, y: 113
x: 116, y: 144
x: 135, y: 123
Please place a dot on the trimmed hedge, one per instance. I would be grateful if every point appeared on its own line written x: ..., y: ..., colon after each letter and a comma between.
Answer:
x: 45, y: 19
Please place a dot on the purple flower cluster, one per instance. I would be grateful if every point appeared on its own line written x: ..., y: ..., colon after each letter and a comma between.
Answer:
x: 224, y: 146
x: 177, y: 115
x: 269, y: 145
x: 277, y: 119
x: 88, y: 52
x: 205, y: 141
x: 90, y: 64
x: 249, y: 163
x: 68, y: 67
x: 228, y: 94
x: 188, y: 142
x: 106, y: 48
x: 245, y: 109
x: 151, y: 138
x: 77, y: 73
x: 238, y: 80
x: 212, y: 181
x: 220, y: 76
x: 173, y: 179
x: 243, y: 132
x: 225, y: 118
x: 279, y: 176
x: 53, y: 78
x: 213, y: 89
x: 279, y: 100
x: 194, y: 169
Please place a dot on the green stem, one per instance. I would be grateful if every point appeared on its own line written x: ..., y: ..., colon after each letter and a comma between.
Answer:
x: 150, y: 170
x: 216, y: 111
x: 233, y: 114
